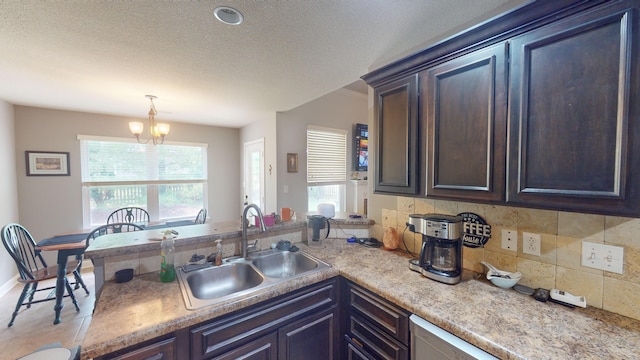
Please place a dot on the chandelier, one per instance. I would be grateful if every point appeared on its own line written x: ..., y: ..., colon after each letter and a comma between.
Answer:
x: 156, y: 130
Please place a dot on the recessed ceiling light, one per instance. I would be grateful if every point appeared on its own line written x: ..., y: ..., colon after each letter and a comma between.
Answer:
x: 228, y: 15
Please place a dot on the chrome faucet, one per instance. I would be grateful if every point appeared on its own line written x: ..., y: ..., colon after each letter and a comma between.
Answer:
x: 245, y: 223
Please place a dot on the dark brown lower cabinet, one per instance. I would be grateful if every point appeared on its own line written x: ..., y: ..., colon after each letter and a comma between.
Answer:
x: 312, y: 337
x: 302, y: 324
x: 373, y: 327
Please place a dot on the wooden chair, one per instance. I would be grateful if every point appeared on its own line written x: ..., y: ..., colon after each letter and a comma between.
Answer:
x: 134, y: 215
x: 32, y: 267
x: 201, y: 217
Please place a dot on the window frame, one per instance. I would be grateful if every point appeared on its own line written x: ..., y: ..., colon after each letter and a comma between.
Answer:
x: 153, y: 196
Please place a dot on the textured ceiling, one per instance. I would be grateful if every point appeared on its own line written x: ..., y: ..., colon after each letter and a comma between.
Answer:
x: 104, y: 56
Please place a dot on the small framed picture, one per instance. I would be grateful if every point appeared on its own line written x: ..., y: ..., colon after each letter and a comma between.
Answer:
x: 47, y: 163
x: 292, y: 162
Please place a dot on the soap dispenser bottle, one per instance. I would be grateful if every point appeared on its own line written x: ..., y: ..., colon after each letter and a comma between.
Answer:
x: 218, y: 260
x: 167, y: 267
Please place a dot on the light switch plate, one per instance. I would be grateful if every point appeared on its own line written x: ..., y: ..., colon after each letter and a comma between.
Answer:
x: 603, y: 257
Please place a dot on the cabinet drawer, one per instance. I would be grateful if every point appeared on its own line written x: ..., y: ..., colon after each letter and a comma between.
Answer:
x: 374, y: 342
x: 162, y: 350
x: 224, y: 334
x: 389, y: 317
x: 264, y: 348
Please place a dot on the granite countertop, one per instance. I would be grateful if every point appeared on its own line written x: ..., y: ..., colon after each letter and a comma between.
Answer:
x: 146, y: 240
x: 505, y: 323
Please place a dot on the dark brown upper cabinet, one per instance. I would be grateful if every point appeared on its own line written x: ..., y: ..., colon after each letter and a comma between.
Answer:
x: 574, y: 140
x: 465, y: 111
x: 396, y: 131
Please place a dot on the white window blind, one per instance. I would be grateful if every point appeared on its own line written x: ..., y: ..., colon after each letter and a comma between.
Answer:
x: 326, y: 155
x: 108, y: 161
x: 169, y: 180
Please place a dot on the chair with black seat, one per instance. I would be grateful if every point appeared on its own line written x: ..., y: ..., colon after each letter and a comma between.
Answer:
x: 201, y: 217
x: 133, y: 215
x: 32, y: 267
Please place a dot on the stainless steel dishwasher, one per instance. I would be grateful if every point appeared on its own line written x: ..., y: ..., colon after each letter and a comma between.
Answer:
x: 429, y: 342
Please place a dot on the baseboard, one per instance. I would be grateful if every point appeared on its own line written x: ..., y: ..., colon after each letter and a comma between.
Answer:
x: 6, y: 287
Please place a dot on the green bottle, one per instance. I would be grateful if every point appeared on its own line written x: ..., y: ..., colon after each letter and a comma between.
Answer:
x: 167, y: 267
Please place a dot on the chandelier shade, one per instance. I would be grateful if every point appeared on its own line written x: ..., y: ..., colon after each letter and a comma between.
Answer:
x: 157, y: 131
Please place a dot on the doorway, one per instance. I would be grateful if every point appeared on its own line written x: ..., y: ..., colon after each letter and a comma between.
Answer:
x: 253, y: 177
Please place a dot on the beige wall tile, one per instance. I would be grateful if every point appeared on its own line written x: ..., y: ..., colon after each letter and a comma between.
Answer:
x: 495, y: 242
x: 631, y: 266
x: 403, y: 217
x: 471, y: 258
x: 581, y: 283
x: 413, y: 241
x: 425, y: 206
x: 570, y: 255
x: 479, y: 209
x: 538, y: 221
x: 445, y: 207
x: 389, y: 218
x: 559, y: 266
x: 621, y: 297
x: 536, y: 274
x: 622, y: 231
x: 501, y: 261
x: 503, y: 216
x: 581, y: 226
x: 406, y: 204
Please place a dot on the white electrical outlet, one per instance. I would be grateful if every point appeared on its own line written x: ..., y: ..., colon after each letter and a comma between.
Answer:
x: 531, y: 243
x: 510, y: 239
x: 603, y: 257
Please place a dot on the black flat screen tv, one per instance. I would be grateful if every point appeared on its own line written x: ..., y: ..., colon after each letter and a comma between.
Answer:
x: 361, y: 147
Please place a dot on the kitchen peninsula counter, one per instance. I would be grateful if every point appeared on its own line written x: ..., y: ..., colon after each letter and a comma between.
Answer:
x: 505, y: 323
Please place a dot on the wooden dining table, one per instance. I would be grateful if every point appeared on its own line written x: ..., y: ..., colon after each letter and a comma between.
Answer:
x: 66, y: 245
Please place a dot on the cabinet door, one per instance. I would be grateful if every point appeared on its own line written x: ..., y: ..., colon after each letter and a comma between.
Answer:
x: 312, y: 337
x: 396, y: 131
x: 465, y: 111
x: 264, y: 348
x: 574, y: 137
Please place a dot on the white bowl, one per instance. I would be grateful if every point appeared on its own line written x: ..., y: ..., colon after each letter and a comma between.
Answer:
x: 504, y: 282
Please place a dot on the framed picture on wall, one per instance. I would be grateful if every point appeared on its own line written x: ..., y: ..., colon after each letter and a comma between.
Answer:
x: 47, y: 163
x: 292, y: 162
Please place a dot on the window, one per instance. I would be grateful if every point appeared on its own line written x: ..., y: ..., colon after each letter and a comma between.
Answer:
x: 168, y: 180
x: 326, y: 167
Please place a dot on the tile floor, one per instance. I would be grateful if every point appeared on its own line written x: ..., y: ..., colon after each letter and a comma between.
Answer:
x: 34, y: 327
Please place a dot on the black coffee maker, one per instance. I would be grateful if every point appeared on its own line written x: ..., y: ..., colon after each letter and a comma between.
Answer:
x: 441, y: 253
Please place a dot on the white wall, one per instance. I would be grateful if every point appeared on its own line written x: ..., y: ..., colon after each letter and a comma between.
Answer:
x: 341, y: 109
x: 52, y: 205
x: 8, y: 188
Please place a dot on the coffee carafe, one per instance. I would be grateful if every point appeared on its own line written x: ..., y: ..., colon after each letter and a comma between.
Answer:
x: 441, y: 253
x: 315, y: 223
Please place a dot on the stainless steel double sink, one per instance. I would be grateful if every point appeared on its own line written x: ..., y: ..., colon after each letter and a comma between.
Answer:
x: 237, y: 278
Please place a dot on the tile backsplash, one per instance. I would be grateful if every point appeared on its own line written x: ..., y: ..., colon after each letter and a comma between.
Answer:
x: 559, y: 264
